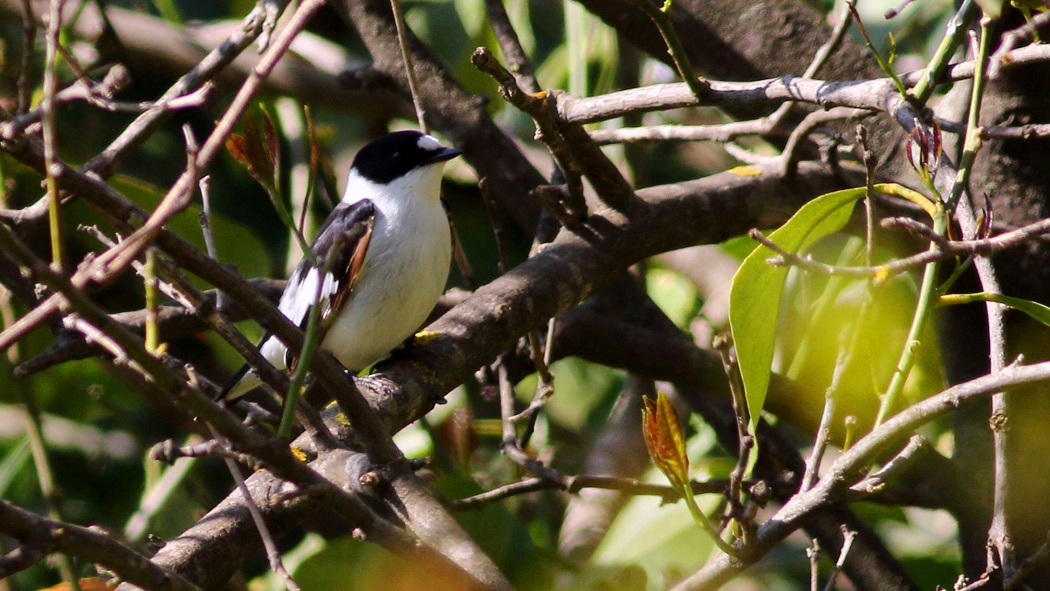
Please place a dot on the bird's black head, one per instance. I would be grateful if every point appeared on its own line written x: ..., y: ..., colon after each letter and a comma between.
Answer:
x: 398, y: 153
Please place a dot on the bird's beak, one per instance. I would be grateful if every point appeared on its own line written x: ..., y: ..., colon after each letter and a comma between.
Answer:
x: 442, y: 155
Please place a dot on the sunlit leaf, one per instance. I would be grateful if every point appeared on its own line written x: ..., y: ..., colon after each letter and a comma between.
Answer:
x: 1037, y: 311
x: 754, y: 302
x: 992, y: 8
x: 1037, y: 5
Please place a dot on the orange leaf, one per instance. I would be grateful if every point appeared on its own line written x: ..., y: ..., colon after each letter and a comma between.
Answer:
x: 235, y: 145
x: 249, y: 151
x: 664, y: 439
x: 86, y: 584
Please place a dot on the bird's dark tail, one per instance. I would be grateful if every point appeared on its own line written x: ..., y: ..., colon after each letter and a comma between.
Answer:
x: 243, y: 381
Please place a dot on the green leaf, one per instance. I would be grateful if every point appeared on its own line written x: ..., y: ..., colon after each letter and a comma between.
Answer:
x: 12, y: 464
x: 1037, y: 311
x: 754, y: 302
x: 992, y: 8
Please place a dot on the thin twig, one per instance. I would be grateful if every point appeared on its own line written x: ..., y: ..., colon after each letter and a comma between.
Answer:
x: 517, y: 60
x: 1026, y: 566
x: 945, y: 249
x: 662, y: 19
x: 251, y: 28
x: 956, y: 28
x: 1010, y: 40
x: 1015, y: 132
x: 273, y: 555
x: 165, y: 287
x: 466, y: 270
x: 723, y: 132
x: 28, y: 37
x: 410, y: 72
x: 204, y: 218
x: 813, y: 554
x: 509, y: 442
x: 847, y: 543
x: 502, y: 261
x: 870, y: 162
x: 574, y: 484
x: 745, y: 440
x: 544, y: 387
x: 1006, y: 470
x: 805, y: 128
x: 820, y: 443
x: 47, y: 105
x: 877, y: 481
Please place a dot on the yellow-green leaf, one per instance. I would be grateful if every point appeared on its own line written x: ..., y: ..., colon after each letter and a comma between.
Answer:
x: 754, y: 301
x: 1037, y: 311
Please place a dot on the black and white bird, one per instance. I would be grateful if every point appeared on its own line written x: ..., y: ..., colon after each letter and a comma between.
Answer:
x: 393, y: 258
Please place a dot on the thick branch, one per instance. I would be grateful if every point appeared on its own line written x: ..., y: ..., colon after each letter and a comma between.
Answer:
x: 87, y: 544
x: 876, y: 95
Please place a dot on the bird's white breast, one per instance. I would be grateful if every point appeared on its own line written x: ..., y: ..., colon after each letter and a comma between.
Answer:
x: 405, y: 269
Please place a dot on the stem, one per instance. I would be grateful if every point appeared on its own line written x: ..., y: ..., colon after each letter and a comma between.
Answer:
x: 1000, y: 534
x: 973, y: 130
x: 286, y: 219
x: 955, y: 299
x: 410, y: 73
x: 310, y: 343
x: 675, y: 49
x: 704, y: 522
x: 45, y: 477
x: 149, y: 281
x: 957, y: 27
x: 927, y: 299
x: 54, y: 24
x: 885, y: 67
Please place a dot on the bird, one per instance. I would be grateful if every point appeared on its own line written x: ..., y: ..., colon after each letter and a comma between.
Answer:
x: 387, y: 247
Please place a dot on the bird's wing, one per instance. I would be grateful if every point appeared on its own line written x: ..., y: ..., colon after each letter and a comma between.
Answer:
x: 340, y: 246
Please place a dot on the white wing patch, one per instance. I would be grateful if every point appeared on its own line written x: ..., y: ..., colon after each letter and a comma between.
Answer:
x: 300, y: 293
x: 296, y: 301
